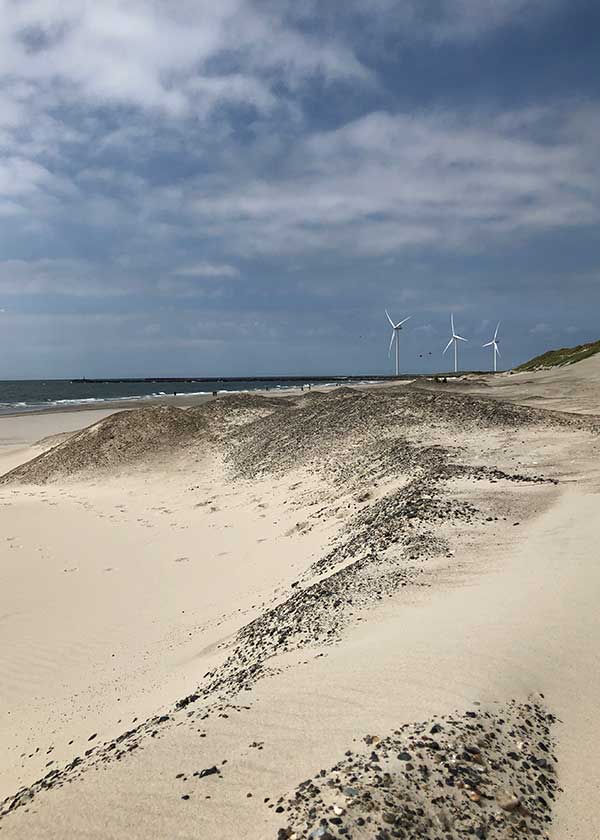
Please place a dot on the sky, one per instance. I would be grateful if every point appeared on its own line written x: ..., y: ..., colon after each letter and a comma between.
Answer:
x: 243, y: 187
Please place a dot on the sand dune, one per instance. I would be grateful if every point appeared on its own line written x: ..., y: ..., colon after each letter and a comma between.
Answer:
x: 121, y: 438
x: 572, y: 388
x: 192, y: 632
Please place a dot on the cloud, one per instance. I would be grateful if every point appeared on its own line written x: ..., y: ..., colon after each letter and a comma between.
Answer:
x: 387, y: 182
x: 540, y: 328
x: 63, y: 276
x: 20, y: 177
x: 206, y: 269
x: 77, y: 69
x: 410, y: 21
x: 159, y: 55
x: 187, y: 60
x: 469, y: 19
x: 375, y: 187
x: 426, y: 330
x: 183, y: 281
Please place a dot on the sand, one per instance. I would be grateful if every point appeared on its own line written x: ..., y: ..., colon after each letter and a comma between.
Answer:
x: 573, y: 388
x: 287, y: 580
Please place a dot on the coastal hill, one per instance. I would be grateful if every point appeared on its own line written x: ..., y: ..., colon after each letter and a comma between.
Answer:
x: 561, y: 357
x: 563, y: 380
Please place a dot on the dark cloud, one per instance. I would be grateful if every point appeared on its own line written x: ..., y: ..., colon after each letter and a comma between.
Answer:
x: 181, y: 182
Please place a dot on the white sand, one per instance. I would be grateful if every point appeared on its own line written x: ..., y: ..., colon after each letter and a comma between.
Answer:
x: 109, y: 599
x: 574, y: 388
x: 115, y: 594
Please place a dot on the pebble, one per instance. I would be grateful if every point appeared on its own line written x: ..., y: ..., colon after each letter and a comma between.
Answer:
x: 208, y: 771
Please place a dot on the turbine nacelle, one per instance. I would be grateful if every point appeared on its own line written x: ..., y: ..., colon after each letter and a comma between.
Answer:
x: 397, y: 326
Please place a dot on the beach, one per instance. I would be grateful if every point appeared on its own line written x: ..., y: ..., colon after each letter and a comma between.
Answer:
x: 204, y: 605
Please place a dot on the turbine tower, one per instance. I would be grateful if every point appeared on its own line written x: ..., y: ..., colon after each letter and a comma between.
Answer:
x: 494, y: 343
x: 396, y: 337
x: 454, y: 340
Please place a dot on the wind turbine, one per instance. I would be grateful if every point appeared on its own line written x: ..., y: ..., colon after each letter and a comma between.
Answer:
x: 396, y: 337
x: 455, y: 339
x: 494, y: 343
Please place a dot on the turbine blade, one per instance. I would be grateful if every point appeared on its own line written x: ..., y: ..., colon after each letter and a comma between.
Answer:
x: 497, y: 350
x: 497, y: 328
x: 460, y: 338
x: 389, y: 319
x: 404, y: 321
x: 391, y: 341
x: 452, y: 322
x: 448, y: 345
x: 489, y: 344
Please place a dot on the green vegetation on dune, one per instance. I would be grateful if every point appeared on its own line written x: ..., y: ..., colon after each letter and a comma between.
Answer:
x: 564, y: 356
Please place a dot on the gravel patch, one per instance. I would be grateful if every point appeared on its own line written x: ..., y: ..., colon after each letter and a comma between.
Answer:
x: 483, y: 774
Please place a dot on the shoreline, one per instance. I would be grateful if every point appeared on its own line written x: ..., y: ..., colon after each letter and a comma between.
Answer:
x: 179, y: 401
x: 186, y: 400
x: 192, y: 400
x: 114, y: 405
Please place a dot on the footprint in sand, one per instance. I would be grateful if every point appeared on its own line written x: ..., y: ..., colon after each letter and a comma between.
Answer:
x: 299, y: 527
x: 182, y: 559
x: 73, y: 569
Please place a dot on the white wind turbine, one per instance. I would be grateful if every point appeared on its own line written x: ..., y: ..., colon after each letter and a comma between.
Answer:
x: 494, y: 343
x: 396, y: 337
x: 454, y: 340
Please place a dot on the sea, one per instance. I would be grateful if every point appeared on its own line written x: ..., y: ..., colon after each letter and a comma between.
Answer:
x: 41, y: 394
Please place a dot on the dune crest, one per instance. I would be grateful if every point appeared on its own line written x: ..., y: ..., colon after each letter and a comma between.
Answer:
x: 123, y: 438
